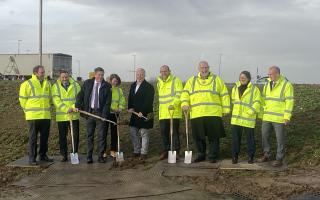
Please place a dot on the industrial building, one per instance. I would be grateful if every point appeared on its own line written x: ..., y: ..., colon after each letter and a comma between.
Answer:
x: 13, y: 66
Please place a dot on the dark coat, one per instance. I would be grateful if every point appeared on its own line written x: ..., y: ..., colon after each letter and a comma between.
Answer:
x: 142, y: 101
x: 84, y: 97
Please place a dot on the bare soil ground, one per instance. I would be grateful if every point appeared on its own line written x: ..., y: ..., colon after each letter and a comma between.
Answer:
x: 302, y: 152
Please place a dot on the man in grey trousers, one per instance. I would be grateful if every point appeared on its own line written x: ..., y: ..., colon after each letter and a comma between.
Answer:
x: 140, y: 104
x: 277, y: 106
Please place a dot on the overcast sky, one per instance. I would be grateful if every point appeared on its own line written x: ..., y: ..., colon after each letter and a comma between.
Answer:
x: 179, y: 33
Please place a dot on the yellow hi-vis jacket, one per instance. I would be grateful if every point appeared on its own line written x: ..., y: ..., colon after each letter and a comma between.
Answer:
x: 35, y: 98
x: 277, y: 104
x: 246, y: 108
x: 118, y: 99
x: 169, y: 95
x: 64, y: 99
x: 208, y: 97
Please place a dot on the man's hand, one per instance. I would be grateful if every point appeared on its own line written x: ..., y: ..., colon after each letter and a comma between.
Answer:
x: 286, y: 122
x: 75, y: 109
x: 140, y: 114
x: 171, y: 107
x: 185, y: 108
x: 131, y: 110
x: 70, y: 110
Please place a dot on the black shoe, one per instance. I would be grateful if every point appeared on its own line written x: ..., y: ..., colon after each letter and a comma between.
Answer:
x: 251, y: 160
x: 89, y: 161
x: 136, y: 155
x: 199, y: 159
x: 45, y: 158
x: 143, y: 157
x: 213, y: 161
x: 33, y: 162
x: 64, y: 159
x: 102, y: 160
x: 234, y: 160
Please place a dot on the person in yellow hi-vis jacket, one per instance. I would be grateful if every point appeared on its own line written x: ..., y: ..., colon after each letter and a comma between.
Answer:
x: 117, y: 105
x: 169, y: 88
x: 64, y: 93
x: 207, y: 98
x: 277, y: 106
x: 34, y: 97
x: 246, y: 100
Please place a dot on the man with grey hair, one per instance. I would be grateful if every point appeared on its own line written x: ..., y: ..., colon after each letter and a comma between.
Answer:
x: 277, y: 105
x: 206, y: 97
x: 140, y: 104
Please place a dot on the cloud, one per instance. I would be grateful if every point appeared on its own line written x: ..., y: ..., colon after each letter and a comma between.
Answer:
x: 179, y: 33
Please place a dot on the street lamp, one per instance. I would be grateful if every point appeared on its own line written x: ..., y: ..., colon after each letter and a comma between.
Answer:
x: 220, y: 64
x: 40, y: 33
x: 19, y: 46
x: 78, y: 68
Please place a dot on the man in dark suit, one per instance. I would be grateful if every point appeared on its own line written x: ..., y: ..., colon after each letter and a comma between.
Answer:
x: 95, y: 97
x: 140, y: 101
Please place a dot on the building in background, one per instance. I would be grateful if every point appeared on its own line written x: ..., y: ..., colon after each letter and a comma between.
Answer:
x: 19, y: 66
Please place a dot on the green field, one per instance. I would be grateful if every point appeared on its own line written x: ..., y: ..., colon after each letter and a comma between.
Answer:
x: 303, y: 133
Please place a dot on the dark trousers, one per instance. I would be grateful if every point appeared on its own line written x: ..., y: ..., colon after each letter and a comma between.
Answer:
x: 63, y: 127
x: 212, y: 128
x: 41, y: 126
x: 92, y: 124
x: 166, y: 137
x: 236, y: 140
x: 114, y: 134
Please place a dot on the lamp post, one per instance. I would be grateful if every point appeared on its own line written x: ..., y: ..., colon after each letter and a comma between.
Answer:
x: 78, y: 68
x: 19, y: 46
x: 40, y: 33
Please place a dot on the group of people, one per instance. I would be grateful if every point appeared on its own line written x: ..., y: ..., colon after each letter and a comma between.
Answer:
x: 204, y: 98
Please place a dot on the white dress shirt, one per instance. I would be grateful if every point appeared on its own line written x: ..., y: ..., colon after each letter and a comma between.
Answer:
x: 94, y: 92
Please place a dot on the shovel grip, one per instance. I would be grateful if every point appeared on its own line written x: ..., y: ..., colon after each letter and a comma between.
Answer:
x: 186, y: 114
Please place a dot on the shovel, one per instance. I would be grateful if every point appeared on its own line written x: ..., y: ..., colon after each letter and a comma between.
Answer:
x: 188, y: 153
x: 73, y: 156
x: 172, y: 155
x: 119, y: 154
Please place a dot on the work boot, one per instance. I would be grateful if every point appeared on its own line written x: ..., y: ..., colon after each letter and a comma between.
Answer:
x: 200, y: 159
x: 235, y: 160
x: 33, y: 162
x: 136, y: 155
x: 143, y: 157
x: 89, y: 159
x: 102, y: 160
x: 251, y: 160
x: 64, y: 159
x: 213, y: 160
x: 277, y: 163
x: 45, y: 158
x: 164, y: 155
x: 264, y: 158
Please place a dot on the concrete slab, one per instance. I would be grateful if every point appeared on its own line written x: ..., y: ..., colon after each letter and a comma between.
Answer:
x: 24, y: 162
x: 96, y: 181
x: 225, y: 165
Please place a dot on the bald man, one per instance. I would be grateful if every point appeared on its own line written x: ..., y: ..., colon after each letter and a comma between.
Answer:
x: 140, y: 101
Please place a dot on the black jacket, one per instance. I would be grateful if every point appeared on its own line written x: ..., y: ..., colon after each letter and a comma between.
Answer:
x: 142, y: 101
x: 84, y: 97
